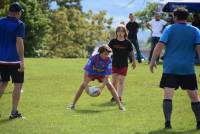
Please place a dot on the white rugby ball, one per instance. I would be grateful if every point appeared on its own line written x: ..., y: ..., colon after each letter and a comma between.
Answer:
x: 93, y: 91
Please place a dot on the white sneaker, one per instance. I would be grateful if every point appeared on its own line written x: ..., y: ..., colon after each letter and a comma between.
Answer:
x: 71, y: 106
x: 122, y: 108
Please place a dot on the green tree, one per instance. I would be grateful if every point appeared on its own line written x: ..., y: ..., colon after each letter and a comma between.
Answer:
x: 36, y: 21
x: 146, y: 15
x: 76, y: 32
x: 64, y: 32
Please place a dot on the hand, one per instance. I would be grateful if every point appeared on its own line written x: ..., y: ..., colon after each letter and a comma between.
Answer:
x: 133, y: 65
x: 152, y: 65
x: 99, y: 92
x: 21, y: 69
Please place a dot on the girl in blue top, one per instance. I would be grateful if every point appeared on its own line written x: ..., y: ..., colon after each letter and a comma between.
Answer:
x: 98, y: 67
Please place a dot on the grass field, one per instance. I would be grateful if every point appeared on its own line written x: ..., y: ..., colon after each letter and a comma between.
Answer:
x: 50, y: 85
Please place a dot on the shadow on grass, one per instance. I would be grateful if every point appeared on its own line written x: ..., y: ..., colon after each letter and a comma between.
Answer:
x: 164, y: 131
x: 87, y: 111
x: 9, y: 92
x: 105, y: 104
x: 4, y: 121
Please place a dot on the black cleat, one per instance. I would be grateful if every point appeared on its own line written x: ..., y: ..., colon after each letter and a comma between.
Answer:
x: 168, y: 125
x: 198, y: 125
x: 15, y: 115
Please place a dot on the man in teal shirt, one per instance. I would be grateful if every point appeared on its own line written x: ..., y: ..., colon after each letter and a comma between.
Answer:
x: 181, y: 41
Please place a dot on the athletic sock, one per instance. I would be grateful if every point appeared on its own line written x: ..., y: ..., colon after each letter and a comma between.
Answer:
x: 196, y: 110
x: 167, y: 109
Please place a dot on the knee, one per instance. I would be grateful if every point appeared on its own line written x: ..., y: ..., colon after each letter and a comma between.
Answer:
x: 121, y: 83
x: 194, y: 97
x: 168, y: 96
x: 84, y: 85
x: 109, y: 85
x: 3, y: 85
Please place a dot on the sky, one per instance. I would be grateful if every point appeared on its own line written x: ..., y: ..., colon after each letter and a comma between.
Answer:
x: 118, y: 9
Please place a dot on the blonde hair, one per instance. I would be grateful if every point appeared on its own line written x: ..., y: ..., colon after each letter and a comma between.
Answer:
x: 121, y: 26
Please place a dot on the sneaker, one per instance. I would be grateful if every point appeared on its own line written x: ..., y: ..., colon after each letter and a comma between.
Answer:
x: 168, y: 125
x: 120, y: 98
x: 15, y: 115
x: 122, y: 108
x: 112, y: 99
x: 198, y: 125
x: 71, y: 106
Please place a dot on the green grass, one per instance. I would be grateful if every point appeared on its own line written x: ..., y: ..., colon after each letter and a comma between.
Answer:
x: 50, y: 85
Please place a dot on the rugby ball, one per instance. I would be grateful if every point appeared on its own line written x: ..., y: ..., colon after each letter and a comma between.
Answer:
x: 93, y: 91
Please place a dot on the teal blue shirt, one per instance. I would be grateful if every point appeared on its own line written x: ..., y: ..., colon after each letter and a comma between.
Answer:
x: 180, y: 41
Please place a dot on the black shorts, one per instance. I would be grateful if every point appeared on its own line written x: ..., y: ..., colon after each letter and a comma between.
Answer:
x: 186, y: 82
x: 11, y: 70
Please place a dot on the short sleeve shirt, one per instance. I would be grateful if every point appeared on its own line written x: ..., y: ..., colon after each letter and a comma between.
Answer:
x: 98, y: 66
x: 10, y: 28
x: 157, y: 27
x: 180, y: 41
x: 121, y: 50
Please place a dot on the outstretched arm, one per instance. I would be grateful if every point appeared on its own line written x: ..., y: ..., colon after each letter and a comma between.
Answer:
x: 133, y: 60
x: 20, y: 51
x: 157, y: 51
x: 198, y: 50
x: 149, y: 27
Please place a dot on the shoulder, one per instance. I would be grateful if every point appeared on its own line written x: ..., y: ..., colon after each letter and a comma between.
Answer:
x: 20, y: 22
x: 128, y: 23
x: 163, y: 21
x: 2, y: 18
x: 195, y: 29
x: 128, y: 42
x: 151, y: 21
x: 112, y: 41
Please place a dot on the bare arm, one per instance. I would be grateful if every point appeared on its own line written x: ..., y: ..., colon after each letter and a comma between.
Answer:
x: 133, y: 59
x: 198, y: 50
x: 20, y: 51
x: 149, y: 26
x: 157, y: 51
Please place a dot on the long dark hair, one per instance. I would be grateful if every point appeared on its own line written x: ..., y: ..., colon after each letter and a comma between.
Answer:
x: 124, y: 30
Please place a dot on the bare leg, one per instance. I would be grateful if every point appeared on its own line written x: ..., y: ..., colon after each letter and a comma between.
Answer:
x: 193, y: 94
x: 121, y: 80
x: 114, y: 94
x: 168, y: 93
x: 195, y: 104
x: 16, y: 96
x: 115, y: 81
x: 81, y: 88
x: 3, y: 86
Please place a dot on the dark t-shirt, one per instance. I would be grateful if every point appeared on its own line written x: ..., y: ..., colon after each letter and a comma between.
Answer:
x: 10, y: 28
x: 132, y: 28
x: 121, y: 50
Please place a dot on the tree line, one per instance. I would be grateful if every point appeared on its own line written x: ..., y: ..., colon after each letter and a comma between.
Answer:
x: 65, y: 32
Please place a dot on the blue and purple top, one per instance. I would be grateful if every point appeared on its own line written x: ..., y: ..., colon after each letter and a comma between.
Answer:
x: 98, y: 66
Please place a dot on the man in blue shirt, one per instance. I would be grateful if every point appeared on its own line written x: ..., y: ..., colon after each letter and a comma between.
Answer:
x: 180, y: 40
x: 12, y: 31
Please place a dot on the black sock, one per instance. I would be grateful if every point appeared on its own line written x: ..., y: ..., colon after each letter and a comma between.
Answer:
x: 167, y: 109
x: 196, y: 110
